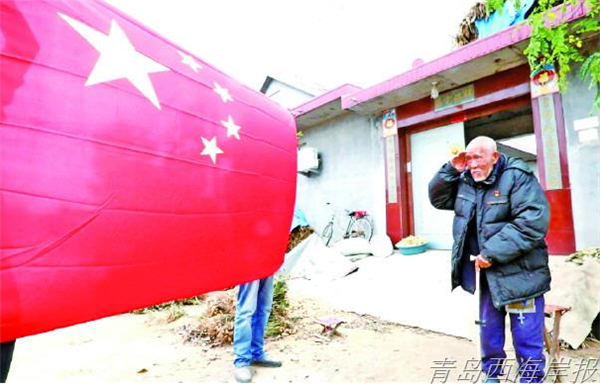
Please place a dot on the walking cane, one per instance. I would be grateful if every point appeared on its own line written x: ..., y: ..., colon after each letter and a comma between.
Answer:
x: 478, y: 322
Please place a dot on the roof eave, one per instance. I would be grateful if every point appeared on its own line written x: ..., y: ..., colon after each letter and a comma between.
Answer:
x: 481, y: 58
x: 322, y: 108
x: 319, y: 115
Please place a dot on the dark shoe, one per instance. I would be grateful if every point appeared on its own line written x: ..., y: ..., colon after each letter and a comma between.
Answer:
x: 242, y: 374
x: 266, y: 363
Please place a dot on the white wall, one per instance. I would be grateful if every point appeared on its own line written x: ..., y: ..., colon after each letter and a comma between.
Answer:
x: 287, y: 96
x: 584, y: 161
x: 352, y: 172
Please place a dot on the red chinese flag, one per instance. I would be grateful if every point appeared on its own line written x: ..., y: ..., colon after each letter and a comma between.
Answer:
x: 132, y: 173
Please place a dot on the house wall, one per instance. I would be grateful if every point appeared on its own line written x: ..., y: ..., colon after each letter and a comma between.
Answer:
x: 584, y: 161
x: 287, y: 96
x: 351, y: 173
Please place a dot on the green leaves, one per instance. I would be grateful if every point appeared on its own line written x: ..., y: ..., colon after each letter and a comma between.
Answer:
x: 590, y: 69
x: 493, y: 5
x: 562, y: 44
x: 279, y: 322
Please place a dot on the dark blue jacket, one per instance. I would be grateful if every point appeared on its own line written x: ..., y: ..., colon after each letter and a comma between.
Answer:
x: 512, y: 215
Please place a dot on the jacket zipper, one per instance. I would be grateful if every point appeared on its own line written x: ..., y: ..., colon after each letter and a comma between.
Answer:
x: 461, y: 249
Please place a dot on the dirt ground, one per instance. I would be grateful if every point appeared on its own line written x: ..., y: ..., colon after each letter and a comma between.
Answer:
x: 146, y: 347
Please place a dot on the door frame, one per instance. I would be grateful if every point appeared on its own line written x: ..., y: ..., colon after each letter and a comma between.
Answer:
x: 457, y: 118
x: 500, y: 92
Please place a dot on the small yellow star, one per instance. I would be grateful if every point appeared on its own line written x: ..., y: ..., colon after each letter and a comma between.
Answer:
x: 232, y: 128
x: 223, y: 92
x: 211, y: 149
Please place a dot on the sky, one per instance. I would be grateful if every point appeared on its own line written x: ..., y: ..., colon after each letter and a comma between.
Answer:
x: 317, y: 43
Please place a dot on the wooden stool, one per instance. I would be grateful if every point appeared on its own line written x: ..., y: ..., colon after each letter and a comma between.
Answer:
x: 553, y: 342
x: 330, y: 325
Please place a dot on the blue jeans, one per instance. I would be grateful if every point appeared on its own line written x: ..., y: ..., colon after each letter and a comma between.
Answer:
x: 528, y: 338
x: 251, y: 315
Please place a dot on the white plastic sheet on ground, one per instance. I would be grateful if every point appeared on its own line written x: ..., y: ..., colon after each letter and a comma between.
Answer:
x: 578, y: 287
x: 353, y: 246
x: 381, y: 246
x: 312, y: 260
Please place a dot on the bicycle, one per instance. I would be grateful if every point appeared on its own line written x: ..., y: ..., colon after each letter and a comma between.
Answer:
x: 359, y: 225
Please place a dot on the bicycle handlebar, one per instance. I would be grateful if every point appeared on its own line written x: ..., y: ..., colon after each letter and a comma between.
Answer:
x: 352, y: 213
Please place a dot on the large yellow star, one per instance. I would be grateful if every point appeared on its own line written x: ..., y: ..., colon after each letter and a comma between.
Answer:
x: 118, y: 59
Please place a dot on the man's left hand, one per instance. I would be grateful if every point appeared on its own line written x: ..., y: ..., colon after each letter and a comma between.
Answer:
x: 482, y: 263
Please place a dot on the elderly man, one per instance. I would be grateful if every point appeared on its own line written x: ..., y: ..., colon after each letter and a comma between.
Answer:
x: 501, y: 218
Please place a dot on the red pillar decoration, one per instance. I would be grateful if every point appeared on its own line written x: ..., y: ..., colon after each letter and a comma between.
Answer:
x: 397, y: 212
x: 549, y: 127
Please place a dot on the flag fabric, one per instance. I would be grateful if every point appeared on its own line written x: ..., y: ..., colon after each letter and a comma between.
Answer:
x: 131, y: 172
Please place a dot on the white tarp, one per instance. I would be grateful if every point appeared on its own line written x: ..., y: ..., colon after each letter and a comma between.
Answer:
x: 578, y: 287
x: 312, y: 260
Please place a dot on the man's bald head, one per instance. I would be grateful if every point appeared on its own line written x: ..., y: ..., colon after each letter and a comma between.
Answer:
x: 482, y: 154
x: 482, y: 142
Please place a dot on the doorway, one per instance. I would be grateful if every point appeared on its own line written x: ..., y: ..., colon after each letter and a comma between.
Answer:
x: 429, y: 150
x: 513, y: 131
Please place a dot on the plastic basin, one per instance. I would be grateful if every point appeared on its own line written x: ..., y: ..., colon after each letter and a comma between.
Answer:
x: 412, y: 249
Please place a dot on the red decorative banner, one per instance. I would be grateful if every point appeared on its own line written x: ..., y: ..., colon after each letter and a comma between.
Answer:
x: 389, y: 123
x: 544, y: 81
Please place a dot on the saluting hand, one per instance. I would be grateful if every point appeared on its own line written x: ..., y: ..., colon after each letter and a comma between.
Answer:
x: 459, y: 161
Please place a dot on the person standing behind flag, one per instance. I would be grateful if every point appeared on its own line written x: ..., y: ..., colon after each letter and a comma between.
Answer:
x: 253, y: 308
x: 501, y: 218
x: 251, y: 315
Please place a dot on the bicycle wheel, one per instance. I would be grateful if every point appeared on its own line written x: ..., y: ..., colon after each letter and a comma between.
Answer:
x: 362, y: 227
x: 327, y: 233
